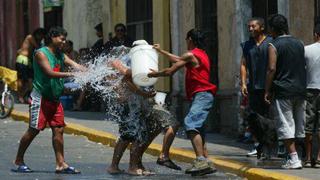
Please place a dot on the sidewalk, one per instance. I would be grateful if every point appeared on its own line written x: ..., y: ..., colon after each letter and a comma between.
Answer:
x: 227, y: 154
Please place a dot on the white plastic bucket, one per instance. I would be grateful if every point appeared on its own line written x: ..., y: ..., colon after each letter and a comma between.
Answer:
x: 143, y: 58
x: 160, y: 98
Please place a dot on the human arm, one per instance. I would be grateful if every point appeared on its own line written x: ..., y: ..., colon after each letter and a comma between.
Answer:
x: 117, y: 64
x: 185, y: 58
x: 133, y: 88
x: 243, y: 77
x: 43, y: 62
x: 271, y: 70
x: 73, y: 64
x: 172, y: 58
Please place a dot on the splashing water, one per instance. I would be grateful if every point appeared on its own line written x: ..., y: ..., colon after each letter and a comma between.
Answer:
x: 122, y: 106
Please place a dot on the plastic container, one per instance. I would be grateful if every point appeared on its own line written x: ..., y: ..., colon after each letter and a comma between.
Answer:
x: 160, y: 98
x: 67, y: 102
x: 143, y: 58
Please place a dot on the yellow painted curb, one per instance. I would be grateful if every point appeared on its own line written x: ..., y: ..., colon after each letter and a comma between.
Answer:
x: 182, y: 155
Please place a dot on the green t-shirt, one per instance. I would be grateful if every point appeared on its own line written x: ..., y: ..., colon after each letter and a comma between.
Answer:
x: 50, y: 88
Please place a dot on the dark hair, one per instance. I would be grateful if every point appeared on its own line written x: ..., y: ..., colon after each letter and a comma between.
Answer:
x: 197, y: 38
x: 69, y: 42
x: 279, y: 24
x: 120, y: 25
x: 98, y: 27
x: 317, y: 29
x: 39, y: 31
x: 55, y: 32
x: 259, y: 20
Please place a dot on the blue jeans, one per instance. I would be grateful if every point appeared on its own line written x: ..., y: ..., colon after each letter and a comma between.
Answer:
x: 199, y: 110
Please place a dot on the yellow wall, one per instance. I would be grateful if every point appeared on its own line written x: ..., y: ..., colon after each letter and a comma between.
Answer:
x: 161, y: 35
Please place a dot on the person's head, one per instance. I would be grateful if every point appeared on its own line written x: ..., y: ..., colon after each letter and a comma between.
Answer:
x: 99, y: 30
x: 256, y: 26
x: 39, y: 34
x: 278, y: 25
x: 195, y: 39
x: 120, y: 30
x: 316, y: 32
x: 56, y: 37
x: 68, y: 46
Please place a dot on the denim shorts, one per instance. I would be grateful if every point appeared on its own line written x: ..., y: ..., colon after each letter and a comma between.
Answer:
x: 199, y: 110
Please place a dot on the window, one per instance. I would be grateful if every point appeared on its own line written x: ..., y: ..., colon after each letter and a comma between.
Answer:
x: 206, y: 20
x: 139, y: 19
x: 264, y: 8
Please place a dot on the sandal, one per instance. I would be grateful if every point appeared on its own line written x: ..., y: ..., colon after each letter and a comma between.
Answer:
x: 168, y: 163
x: 22, y: 169
x: 316, y: 164
x: 68, y: 170
x: 307, y: 164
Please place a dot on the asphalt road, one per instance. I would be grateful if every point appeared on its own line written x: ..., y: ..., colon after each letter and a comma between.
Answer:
x: 89, y: 157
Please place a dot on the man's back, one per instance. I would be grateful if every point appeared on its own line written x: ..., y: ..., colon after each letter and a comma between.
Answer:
x: 312, y: 57
x: 290, y: 77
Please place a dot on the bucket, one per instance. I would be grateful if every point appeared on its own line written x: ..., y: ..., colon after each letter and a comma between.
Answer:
x: 143, y: 58
x: 160, y: 98
x: 67, y: 102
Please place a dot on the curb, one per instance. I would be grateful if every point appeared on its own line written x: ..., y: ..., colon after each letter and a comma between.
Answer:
x: 177, y: 154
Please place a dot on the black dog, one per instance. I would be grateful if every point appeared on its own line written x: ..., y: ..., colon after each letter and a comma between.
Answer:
x: 264, y: 130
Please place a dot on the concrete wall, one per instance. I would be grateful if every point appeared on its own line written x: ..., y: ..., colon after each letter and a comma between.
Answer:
x: 301, y: 19
x: 79, y: 19
x: 232, y: 18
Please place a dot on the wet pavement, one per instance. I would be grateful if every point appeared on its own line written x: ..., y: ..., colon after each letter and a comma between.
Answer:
x: 89, y: 157
x: 220, y: 146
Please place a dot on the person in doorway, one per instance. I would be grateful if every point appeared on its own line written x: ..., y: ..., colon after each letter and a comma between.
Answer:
x: 199, y: 90
x: 254, y: 63
x: 45, y: 106
x: 313, y: 98
x: 120, y: 38
x: 24, y: 61
x: 286, y: 77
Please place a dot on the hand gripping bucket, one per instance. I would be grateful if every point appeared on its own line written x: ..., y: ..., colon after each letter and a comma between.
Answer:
x: 143, y: 58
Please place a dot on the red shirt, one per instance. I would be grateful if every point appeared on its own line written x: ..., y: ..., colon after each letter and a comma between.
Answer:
x: 198, y: 78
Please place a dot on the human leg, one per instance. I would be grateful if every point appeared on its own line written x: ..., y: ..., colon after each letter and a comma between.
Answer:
x: 25, y: 141
x: 119, y: 149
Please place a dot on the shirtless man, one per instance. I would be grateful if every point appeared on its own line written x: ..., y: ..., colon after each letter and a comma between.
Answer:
x: 24, y: 61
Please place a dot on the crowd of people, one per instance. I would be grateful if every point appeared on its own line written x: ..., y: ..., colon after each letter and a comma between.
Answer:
x: 279, y: 76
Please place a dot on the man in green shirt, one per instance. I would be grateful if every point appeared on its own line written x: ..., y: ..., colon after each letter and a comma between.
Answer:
x: 45, y: 105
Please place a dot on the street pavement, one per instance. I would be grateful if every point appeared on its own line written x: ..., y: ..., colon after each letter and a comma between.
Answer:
x: 220, y: 146
x: 89, y: 157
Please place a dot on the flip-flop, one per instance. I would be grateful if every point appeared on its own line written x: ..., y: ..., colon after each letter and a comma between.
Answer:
x: 22, y: 169
x: 168, y: 163
x: 141, y: 172
x: 68, y: 170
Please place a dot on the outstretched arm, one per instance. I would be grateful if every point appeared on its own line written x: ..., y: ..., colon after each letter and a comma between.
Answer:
x: 70, y: 62
x: 172, y: 58
x: 183, y: 60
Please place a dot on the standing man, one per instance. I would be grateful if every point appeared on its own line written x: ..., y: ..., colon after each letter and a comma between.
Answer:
x: 254, y: 63
x: 199, y: 90
x: 45, y: 105
x: 313, y: 97
x: 286, y: 76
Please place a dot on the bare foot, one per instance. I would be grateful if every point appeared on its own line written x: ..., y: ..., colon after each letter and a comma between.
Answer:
x: 21, y: 100
x: 113, y: 170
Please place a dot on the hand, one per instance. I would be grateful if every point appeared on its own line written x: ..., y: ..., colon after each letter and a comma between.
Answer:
x: 244, y: 90
x: 116, y: 64
x: 153, y: 73
x: 157, y: 47
x: 267, y: 97
x: 150, y: 94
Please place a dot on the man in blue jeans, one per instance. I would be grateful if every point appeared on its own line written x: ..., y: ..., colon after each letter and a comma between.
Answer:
x: 199, y: 90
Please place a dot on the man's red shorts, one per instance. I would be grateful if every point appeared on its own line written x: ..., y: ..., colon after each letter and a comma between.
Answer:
x: 43, y: 112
